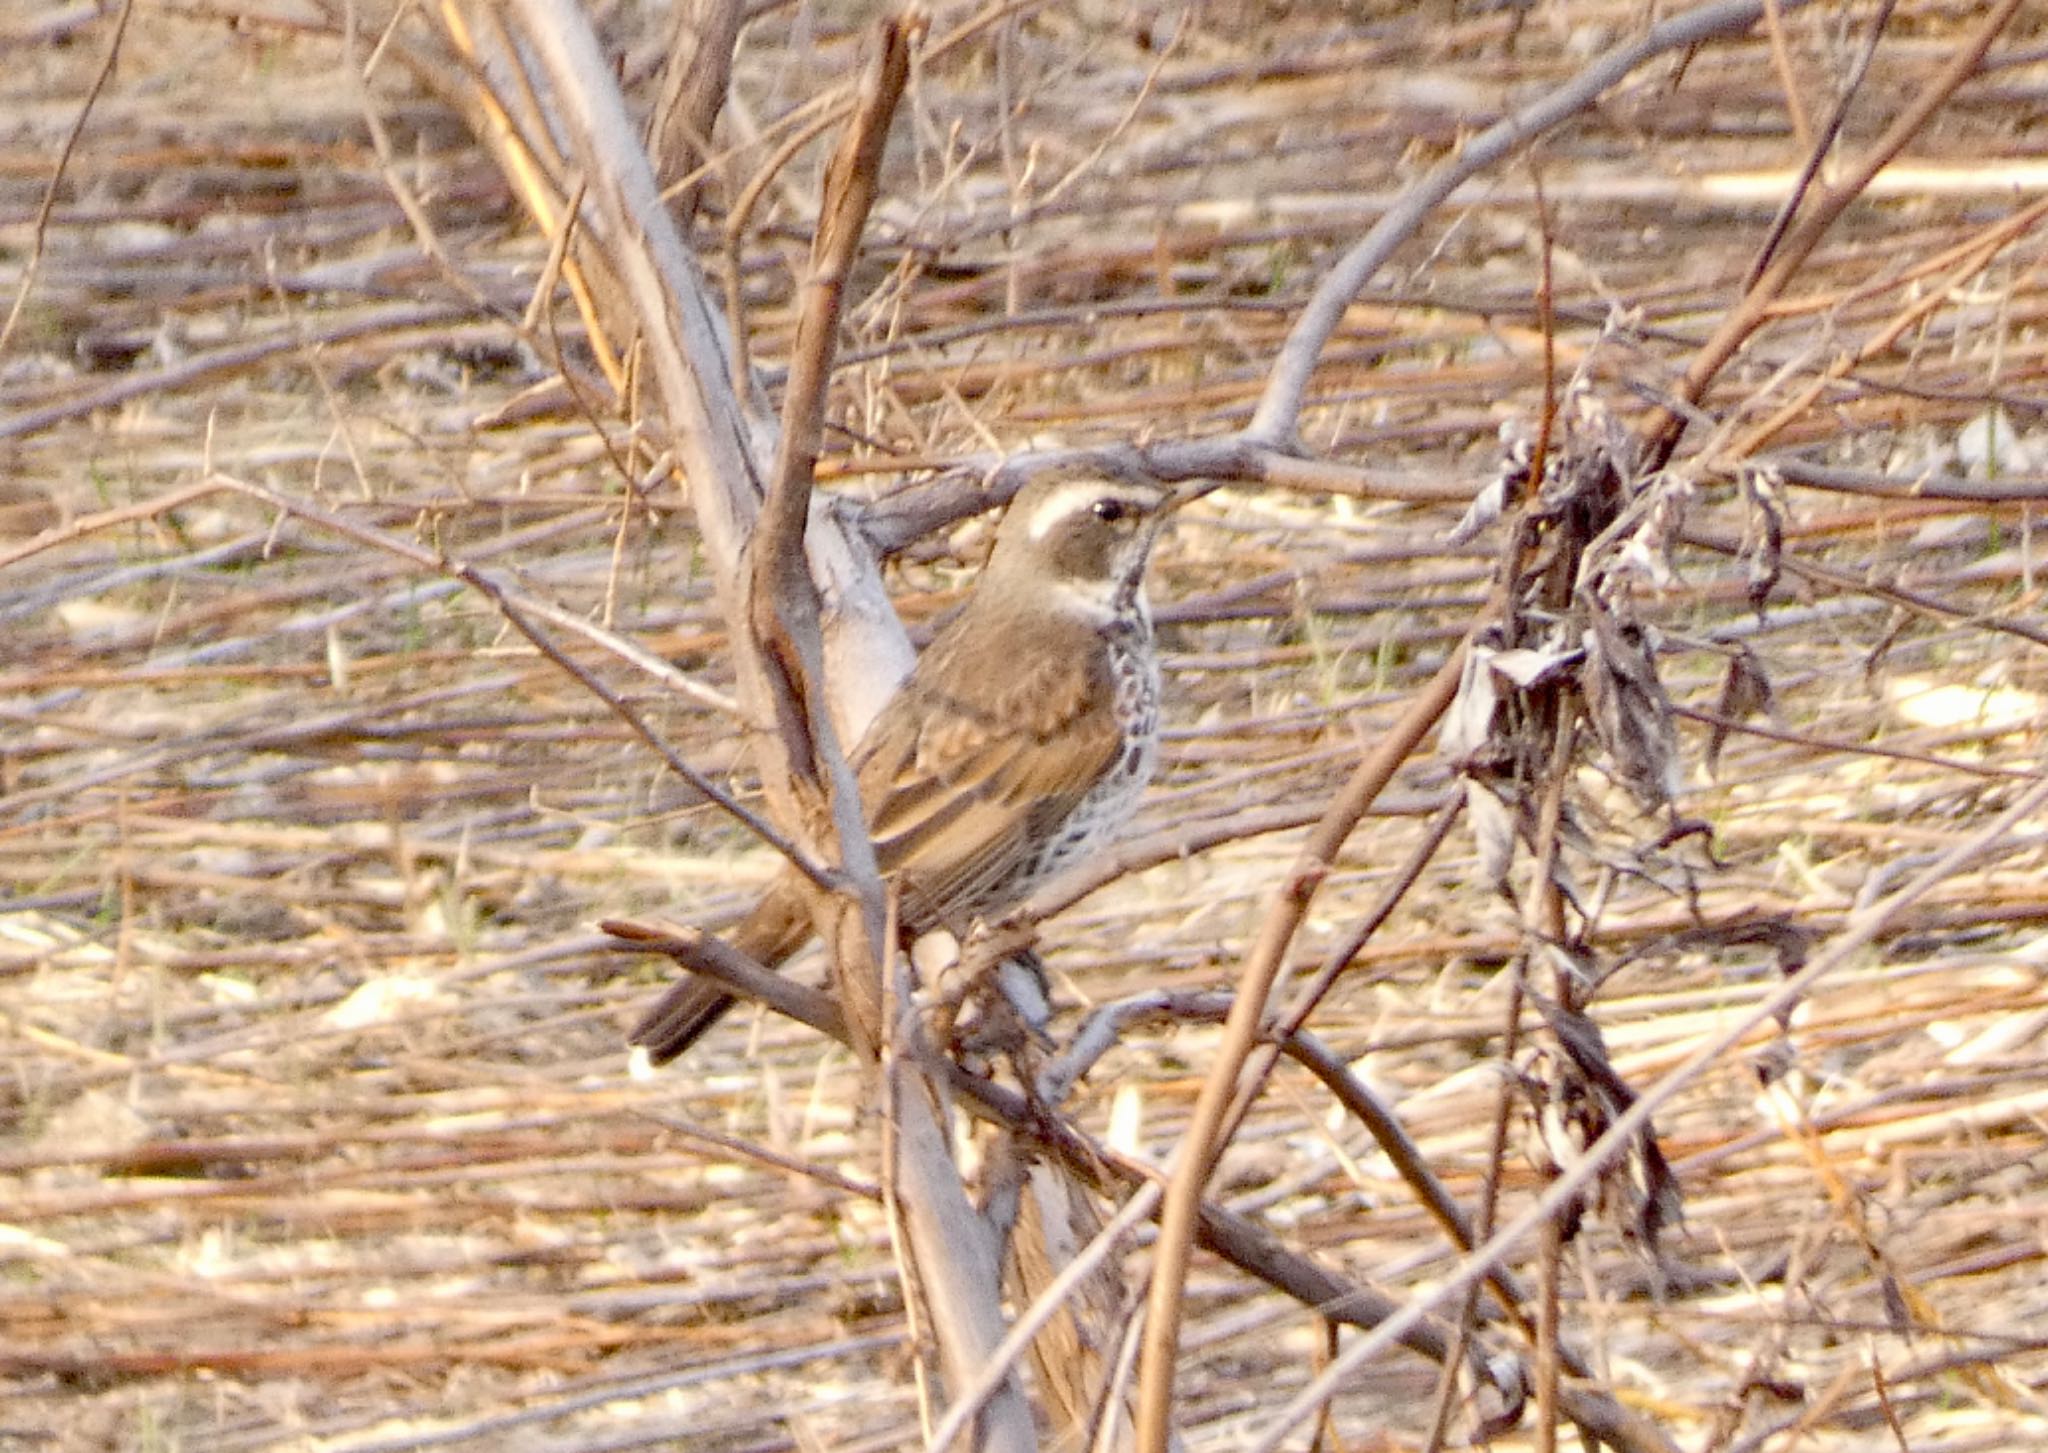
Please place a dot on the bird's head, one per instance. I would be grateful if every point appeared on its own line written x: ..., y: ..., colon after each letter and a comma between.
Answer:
x: 1082, y: 533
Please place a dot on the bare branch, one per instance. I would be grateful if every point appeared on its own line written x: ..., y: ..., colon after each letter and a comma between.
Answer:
x: 783, y: 608
x: 48, y: 205
x: 1664, y: 430
x: 693, y: 86
x: 711, y: 956
x: 1862, y: 928
x: 1275, y: 421
x: 1824, y: 143
x: 517, y: 606
x: 720, y: 437
x: 1255, y: 980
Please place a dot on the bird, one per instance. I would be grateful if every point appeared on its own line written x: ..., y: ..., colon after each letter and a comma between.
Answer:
x: 1018, y: 745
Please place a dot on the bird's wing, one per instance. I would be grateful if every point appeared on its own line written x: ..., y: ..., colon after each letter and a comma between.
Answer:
x: 959, y: 784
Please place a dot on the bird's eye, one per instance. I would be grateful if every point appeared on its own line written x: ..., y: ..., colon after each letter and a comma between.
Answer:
x: 1109, y: 511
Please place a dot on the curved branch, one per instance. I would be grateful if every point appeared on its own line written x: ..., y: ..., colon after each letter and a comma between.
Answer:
x: 1275, y: 420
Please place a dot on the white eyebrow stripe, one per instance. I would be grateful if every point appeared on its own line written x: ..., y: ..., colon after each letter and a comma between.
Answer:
x: 1061, y: 503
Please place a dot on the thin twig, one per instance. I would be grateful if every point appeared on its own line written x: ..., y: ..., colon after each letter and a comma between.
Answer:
x: 522, y: 610
x: 1823, y: 143
x: 1857, y: 933
x: 1278, y: 414
x: 782, y: 608
x: 1200, y: 1144
x: 1664, y: 430
x: 92, y: 524
x: 39, y: 235
x: 709, y: 955
x: 219, y: 362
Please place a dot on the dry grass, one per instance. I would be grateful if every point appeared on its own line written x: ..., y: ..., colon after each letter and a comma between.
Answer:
x: 316, y: 1126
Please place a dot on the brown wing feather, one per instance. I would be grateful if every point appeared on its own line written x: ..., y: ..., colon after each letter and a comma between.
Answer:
x: 959, y: 784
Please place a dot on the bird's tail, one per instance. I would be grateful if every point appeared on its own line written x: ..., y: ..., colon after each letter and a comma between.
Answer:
x: 775, y: 930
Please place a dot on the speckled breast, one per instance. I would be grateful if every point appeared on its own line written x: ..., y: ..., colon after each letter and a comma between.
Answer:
x: 1107, y: 806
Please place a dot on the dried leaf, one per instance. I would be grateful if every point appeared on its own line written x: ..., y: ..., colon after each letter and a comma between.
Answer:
x: 1509, y: 482
x: 1578, y: 1096
x: 1764, y: 547
x: 1487, y: 506
x: 1493, y: 830
x: 1527, y: 666
x: 1988, y: 448
x: 1640, y: 544
x: 1596, y: 458
x: 1745, y: 691
x: 1630, y: 713
x: 1469, y: 721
